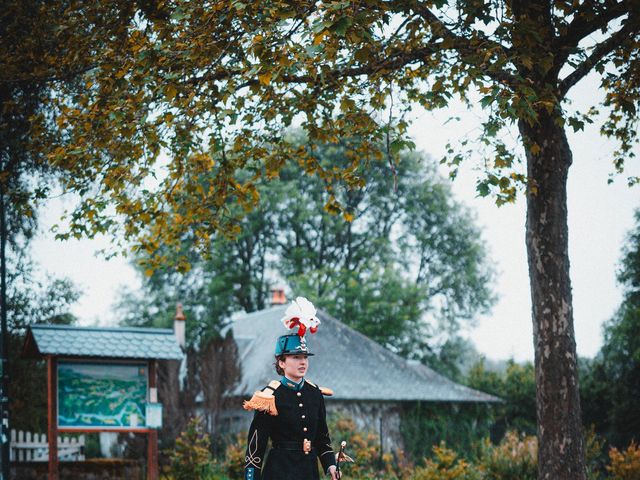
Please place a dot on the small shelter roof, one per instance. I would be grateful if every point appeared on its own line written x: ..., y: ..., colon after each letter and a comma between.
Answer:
x: 129, y: 343
x: 354, y: 366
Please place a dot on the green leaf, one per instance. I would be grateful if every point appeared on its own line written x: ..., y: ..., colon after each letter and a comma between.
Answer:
x: 483, y: 189
x: 576, y: 124
x: 396, y: 145
x: 341, y: 26
x: 486, y: 101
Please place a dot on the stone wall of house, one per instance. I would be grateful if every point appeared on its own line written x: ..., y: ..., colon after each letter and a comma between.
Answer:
x: 381, y: 418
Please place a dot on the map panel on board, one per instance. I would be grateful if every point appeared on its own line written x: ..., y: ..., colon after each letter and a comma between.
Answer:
x: 102, y: 395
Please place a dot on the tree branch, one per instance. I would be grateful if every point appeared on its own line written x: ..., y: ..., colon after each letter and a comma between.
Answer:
x: 599, y: 52
x: 392, y: 63
x: 584, y: 24
x: 441, y: 34
x: 441, y: 30
x: 464, y: 45
x: 47, y: 78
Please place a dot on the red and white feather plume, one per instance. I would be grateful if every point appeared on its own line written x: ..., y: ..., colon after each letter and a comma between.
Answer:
x: 301, y: 314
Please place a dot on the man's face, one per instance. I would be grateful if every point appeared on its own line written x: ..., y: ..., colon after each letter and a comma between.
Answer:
x: 294, y: 366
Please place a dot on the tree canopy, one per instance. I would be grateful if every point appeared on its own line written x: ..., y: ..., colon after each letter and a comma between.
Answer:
x: 408, y: 270
x: 167, y: 91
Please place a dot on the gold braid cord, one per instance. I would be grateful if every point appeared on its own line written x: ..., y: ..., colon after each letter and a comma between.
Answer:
x: 262, y: 401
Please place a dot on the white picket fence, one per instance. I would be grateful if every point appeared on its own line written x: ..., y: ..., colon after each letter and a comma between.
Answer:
x: 33, y: 447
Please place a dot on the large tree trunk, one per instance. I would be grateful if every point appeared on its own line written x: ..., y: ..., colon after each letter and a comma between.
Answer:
x: 560, y: 435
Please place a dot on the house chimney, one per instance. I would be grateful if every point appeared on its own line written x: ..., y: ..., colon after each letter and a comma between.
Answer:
x: 277, y: 296
x: 179, y: 326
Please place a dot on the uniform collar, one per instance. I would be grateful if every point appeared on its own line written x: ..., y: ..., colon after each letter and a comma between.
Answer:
x: 291, y: 384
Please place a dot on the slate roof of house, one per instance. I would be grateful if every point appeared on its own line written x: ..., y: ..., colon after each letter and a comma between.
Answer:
x: 352, y: 365
x: 130, y: 343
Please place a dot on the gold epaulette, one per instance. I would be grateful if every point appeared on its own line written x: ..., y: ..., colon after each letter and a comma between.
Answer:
x: 263, y: 400
x: 327, y: 392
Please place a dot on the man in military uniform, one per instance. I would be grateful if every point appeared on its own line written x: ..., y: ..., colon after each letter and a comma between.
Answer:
x: 291, y: 413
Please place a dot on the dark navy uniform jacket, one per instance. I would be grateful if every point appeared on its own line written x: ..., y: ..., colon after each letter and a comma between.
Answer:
x: 300, y: 415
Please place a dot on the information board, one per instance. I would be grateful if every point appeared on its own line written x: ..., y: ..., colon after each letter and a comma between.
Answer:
x: 102, y: 395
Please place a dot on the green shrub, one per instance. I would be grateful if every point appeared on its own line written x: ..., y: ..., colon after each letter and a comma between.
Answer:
x: 364, y: 448
x: 446, y: 465
x: 595, y: 455
x: 191, y: 459
x: 424, y: 425
x: 233, y: 463
x: 515, y: 458
x: 625, y: 465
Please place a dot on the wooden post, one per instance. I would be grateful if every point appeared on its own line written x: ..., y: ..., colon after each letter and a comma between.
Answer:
x: 152, y: 436
x: 52, y: 415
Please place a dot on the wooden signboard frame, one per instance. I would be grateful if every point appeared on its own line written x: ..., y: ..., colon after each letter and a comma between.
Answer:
x: 53, y: 429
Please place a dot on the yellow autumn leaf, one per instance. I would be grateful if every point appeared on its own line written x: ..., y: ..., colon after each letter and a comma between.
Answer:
x: 170, y: 92
x: 535, y: 148
x: 317, y: 39
x: 265, y: 78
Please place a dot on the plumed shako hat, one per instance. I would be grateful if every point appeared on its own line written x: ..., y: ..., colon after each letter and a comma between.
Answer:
x: 301, y: 314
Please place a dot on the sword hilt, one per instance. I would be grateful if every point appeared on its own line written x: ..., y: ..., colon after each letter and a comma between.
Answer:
x: 340, y: 454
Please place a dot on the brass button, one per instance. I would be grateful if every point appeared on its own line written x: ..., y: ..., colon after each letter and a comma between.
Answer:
x: 306, y: 453
x: 304, y: 429
x: 299, y: 394
x: 304, y: 416
x: 299, y: 404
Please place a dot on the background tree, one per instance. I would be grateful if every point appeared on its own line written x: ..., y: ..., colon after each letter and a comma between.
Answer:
x: 235, y: 276
x: 613, y: 377
x: 516, y: 386
x: 32, y: 300
x: 407, y: 273
x: 213, y: 85
x: 407, y: 270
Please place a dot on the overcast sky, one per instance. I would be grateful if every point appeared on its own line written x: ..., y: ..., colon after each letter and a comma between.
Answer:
x: 600, y: 215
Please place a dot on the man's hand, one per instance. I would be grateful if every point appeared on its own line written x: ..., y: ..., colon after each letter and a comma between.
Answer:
x: 334, y: 473
x: 342, y: 457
